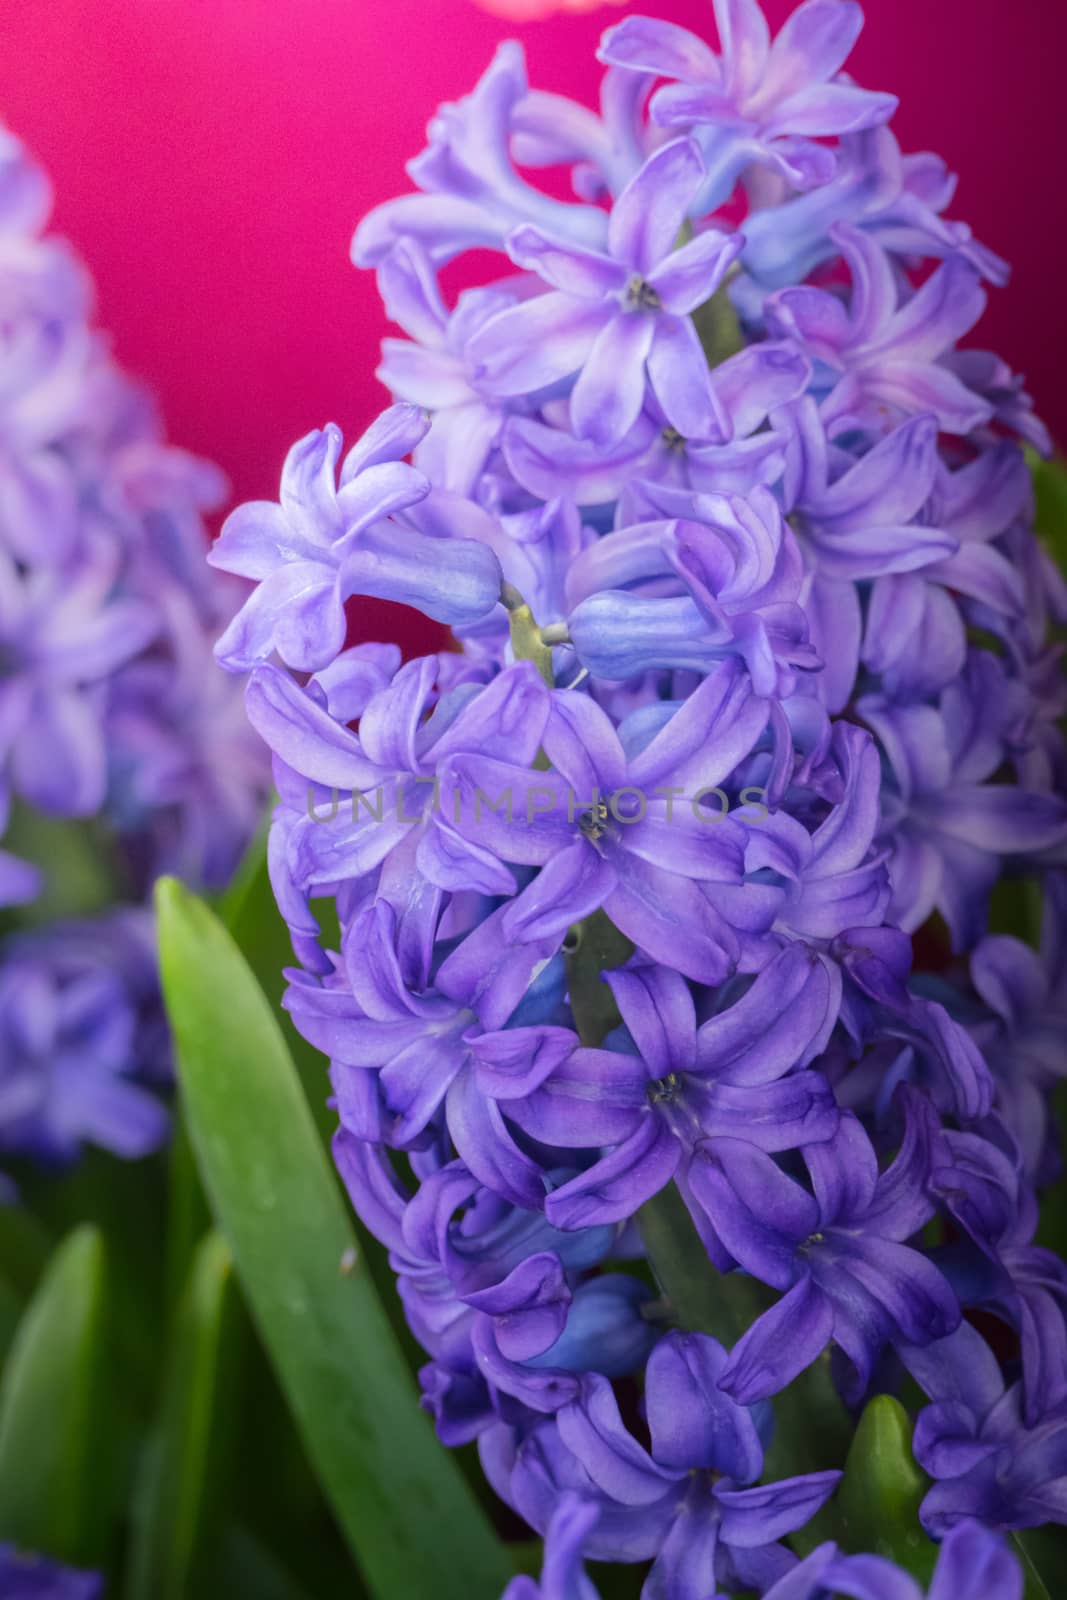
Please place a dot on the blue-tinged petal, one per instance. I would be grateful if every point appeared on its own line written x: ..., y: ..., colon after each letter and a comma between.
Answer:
x: 827, y: 109
x: 812, y: 46
x: 571, y: 885
x: 671, y: 919
x: 709, y: 735
x: 657, y: 1008
x: 974, y: 1564
x: 483, y: 1142
x: 646, y: 44
x: 583, y: 746
x: 781, y: 1022
x: 593, y: 1431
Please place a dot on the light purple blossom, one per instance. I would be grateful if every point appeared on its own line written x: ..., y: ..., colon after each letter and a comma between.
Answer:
x: 642, y: 974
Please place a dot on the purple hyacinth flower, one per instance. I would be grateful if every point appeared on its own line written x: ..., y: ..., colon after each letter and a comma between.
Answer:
x: 882, y: 353
x: 861, y: 519
x: 758, y: 103
x: 974, y: 1442
x: 562, y: 1573
x: 693, y: 579
x: 81, y: 1038
x: 898, y: 199
x: 61, y: 635
x: 325, y: 541
x: 838, y: 1253
x: 973, y: 1565
x: 393, y: 771
x: 434, y: 371
x: 951, y: 826
x: 414, y: 1042
x: 472, y: 195
x: 31, y: 1577
x: 620, y: 318
x: 689, y: 1501
x: 499, y: 1298
x: 735, y: 1077
x: 747, y: 388
x: 602, y: 836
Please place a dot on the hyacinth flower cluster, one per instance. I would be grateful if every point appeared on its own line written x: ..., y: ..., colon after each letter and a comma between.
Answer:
x: 123, y: 751
x: 679, y: 1059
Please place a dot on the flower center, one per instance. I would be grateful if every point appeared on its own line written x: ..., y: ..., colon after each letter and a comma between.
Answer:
x: 594, y: 822
x: 640, y: 296
x: 663, y: 1090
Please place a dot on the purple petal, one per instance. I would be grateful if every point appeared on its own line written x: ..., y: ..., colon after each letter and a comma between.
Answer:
x: 610, y: 391
x: 780, y: 1344
x: 760, y: 1214
x: 751, y: 1517
x: 680, y: 378
x: 647, y: 217
x: 662, y: 48
x: 584, y: 273
x: 691, y: 1421
x: 691, y: 274
x: 619, y: 1183
x: 535, y: 344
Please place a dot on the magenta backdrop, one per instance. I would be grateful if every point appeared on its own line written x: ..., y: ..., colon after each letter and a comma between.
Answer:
x: 211, y: 158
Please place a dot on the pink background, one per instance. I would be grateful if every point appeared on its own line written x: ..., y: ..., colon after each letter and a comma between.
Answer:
x: 211, y: 158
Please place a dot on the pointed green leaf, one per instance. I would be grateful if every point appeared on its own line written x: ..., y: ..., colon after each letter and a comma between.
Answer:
x: 410, y: 1518
x: 877, y: 1504
x: 249, y: 912
x: 178, y: 1506
x: 51, y: 1400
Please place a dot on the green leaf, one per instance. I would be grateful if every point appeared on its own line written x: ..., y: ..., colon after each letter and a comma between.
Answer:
x: 178, y: 1508
x: 188, y: 1217
x: 698, y: 1297
x: 1050, y: 498
x: 407, y: 1513
x: 1042, y: 1552
x: 25, y: 1245
x: 252, y: 917
x: 245, y: 1569
x: 250, y: 914
x: 877, y: 1503
x: 51, y: 1407
x: 592, y: 947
